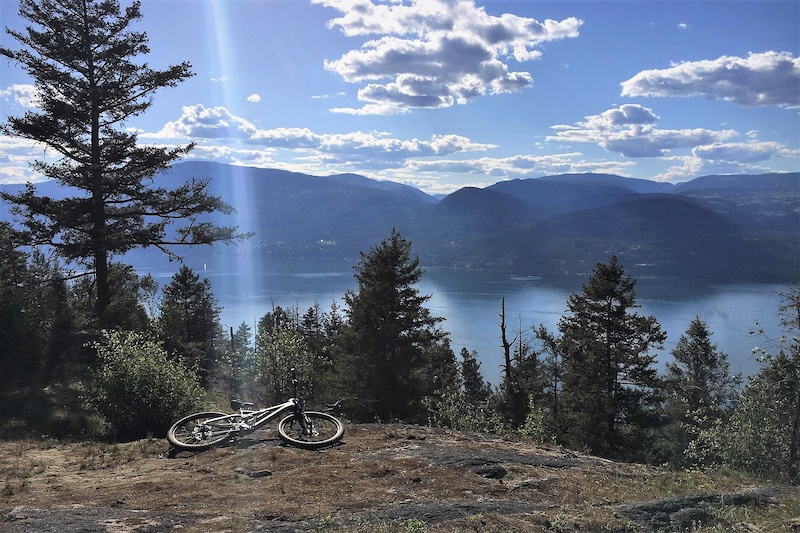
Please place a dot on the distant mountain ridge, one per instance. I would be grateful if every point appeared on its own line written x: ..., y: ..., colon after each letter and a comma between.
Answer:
x: 723, y: 228
x: 612, y: 180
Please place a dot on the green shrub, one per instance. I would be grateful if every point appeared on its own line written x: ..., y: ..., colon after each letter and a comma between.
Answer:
x: 136, y: 388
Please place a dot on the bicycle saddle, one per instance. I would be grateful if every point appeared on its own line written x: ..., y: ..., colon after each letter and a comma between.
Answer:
x: 238, y: 404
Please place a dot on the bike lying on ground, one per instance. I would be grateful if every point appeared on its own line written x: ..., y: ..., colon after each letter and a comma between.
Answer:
x: 305, y: 429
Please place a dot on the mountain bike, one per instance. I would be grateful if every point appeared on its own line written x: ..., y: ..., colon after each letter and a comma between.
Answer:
x: 301, y: 428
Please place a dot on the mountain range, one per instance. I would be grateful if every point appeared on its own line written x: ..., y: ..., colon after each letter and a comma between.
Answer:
x: 721, y: 228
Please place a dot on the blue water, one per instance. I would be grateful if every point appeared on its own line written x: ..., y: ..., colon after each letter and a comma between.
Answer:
x: 470, y: 302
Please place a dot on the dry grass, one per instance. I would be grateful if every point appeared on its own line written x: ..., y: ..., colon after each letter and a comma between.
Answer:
x: 381, y: 478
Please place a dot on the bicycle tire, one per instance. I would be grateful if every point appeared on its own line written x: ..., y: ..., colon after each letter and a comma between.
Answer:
x: 194, y: 433
x: 325, y: 430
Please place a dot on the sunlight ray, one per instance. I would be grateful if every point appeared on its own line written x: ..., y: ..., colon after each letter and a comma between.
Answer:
x: 237, y: 258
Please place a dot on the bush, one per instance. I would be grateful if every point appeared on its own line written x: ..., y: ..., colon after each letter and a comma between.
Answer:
x: 136, y: 388
x: 451, y: 409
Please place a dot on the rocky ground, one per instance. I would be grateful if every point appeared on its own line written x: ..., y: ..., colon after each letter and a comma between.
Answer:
x: 379, y: 478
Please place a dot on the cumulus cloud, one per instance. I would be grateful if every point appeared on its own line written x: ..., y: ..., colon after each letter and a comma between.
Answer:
x: 22, y: 94
x: 16, y: 154
x: 435, y: 53
x: 234, y: 156
x: 769, y: 78
x: 726, y: 158
x: 254, y: 98
x: 628, y: 130
x: 16, y: 175
x: 208, y: 123
x: 369, y: 149
x: 748, y: 152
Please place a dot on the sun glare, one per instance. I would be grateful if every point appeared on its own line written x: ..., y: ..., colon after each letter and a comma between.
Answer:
x: 236, y: 257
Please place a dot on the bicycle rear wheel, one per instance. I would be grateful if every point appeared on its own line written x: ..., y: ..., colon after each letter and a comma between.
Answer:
x: 316, y: 431
x: 200, y: 431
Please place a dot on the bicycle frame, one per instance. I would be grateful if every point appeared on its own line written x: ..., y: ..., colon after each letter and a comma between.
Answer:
x: 252, y: 419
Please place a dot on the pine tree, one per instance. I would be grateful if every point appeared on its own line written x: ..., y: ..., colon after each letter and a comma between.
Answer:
x: 701, y: 389
x: 551, y: 370
x: 610, y: 384
x: 390, y: 335
x: 522, y: 388
x: 512, y: 398
x: 189, y: 319
x: 313, y: 332
x: 281, y: 354
x: 241, y: 358
x: 465, y: 403
x: 82, y: 56
x: 476, y: 390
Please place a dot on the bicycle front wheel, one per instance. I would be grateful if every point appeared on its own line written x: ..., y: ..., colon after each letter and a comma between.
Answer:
x: 315, y: 431
x: 200, y: 431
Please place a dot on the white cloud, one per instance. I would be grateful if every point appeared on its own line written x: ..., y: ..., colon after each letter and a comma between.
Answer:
x: 629, y: 131
x: 16, y: 154
x: 683, y: 26
x: 294, y: 138
x: 207, y: 123
x: 235, y: 156
x: 254, y: 98
x: 365, y: 149
x: 22, y: 94
x: 691, y: 166
x: 769, y: 78
x: 519, y: 166
x: 12, y: 175
x: 325, y: 96
x: 624, y: 115
x: 749, y: 152
x: 726, y: 158
x: 435, y: 53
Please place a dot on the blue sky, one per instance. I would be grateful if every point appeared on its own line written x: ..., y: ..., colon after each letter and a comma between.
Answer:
x: 442, y: 94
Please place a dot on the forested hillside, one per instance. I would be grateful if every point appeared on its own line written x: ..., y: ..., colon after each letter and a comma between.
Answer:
x: 723, y: 228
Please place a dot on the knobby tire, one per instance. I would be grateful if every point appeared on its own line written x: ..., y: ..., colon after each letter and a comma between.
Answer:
x: 195, y: 433
x: 325, y: 430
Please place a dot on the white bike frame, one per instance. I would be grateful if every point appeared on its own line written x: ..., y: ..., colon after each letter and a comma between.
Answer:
x: 252, y: 419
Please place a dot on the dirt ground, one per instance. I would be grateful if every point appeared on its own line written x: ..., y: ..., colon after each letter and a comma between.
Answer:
x: 379, y: 478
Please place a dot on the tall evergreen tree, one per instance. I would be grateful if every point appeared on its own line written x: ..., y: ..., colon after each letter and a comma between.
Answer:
x: 82, y: 56
x: 701, y: 389
x: 610, y: 383
x: 522, y: 389
x: 241, y: 357
x: 281, y: 353
x: 551, y: 369
x: 189, y: 319
x: 512, y: 398
x: 390, y: 335
x: 313, y: 331
x: 477, y: 391
x: 464, y: 400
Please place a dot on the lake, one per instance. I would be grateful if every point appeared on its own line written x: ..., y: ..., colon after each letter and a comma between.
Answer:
x: 470, y: 302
